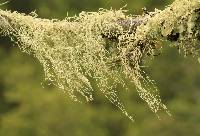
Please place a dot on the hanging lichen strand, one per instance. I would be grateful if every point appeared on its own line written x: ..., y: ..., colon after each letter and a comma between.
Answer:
x: 105, y: 47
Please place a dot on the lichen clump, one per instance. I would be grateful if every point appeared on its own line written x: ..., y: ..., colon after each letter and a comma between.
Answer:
x: 94, y: 47
x: 178, y: 24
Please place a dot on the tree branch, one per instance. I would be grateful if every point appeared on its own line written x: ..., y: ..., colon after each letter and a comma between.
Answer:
x: 164, y: 24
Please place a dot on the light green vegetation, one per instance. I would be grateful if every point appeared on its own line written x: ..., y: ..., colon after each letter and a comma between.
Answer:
x: 73, y: 51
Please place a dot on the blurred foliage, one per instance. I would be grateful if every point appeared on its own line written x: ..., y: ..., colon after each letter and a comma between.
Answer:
x: 28, y: 108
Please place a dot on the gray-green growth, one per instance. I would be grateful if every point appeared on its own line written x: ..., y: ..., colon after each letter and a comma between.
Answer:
x: 95, y: 46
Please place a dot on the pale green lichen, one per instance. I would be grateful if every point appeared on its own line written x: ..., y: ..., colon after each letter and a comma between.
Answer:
x: 73, y: 51
x: 180, y: 18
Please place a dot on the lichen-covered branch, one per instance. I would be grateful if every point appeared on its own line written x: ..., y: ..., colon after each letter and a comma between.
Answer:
x: 178, y: 22
x: 103, y: 48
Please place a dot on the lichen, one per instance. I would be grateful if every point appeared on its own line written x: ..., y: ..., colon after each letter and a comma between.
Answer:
x: 93, y: 47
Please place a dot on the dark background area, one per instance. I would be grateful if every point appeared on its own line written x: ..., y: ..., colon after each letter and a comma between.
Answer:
x: 29, y: 108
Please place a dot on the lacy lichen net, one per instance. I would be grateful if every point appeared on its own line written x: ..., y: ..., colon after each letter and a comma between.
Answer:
x: 93, y: 47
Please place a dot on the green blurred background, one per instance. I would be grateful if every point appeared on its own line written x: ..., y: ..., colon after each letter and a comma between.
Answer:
x: 29, y: 108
